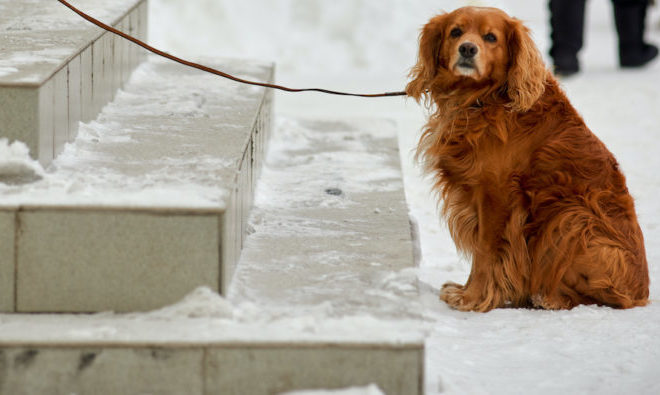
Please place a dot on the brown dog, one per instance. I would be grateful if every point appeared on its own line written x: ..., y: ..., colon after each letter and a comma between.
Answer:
x: 529, y: 192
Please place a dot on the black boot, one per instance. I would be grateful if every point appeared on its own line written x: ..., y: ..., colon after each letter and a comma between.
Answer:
x: 567, y: 26
x: 630, y: 17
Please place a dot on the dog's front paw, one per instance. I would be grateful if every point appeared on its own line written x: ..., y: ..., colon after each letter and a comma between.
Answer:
x: 453, y: 294
x: 459, y: 298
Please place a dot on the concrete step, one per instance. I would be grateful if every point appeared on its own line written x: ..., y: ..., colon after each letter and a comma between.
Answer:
x: 57, y: 69
x: 149, y: 202
x: 152, y: 199
x: 330, y: 226
x: 324, y: 295
x: 137, y: 354
x: 256, y: 369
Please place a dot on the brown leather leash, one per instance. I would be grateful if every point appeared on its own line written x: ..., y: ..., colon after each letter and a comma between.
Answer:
x: 212, y: 70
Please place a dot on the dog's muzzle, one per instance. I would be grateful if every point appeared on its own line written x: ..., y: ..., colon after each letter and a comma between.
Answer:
x: 466, y: 61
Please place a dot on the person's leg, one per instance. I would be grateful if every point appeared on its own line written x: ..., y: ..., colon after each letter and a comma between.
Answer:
x: 567, y: 26
x: 630, y: 18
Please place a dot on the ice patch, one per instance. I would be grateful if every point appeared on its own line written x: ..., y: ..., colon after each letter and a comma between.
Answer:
x: 371, y: 389
x: 6, y: 70
x: 12, y: 62
x: 46, y: 55
x: 94, y: 332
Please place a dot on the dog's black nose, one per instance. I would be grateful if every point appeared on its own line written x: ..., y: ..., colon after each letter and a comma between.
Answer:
x: 468, y: 50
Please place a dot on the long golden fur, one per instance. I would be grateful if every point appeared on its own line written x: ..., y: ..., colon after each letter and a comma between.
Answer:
x: 528, y: 191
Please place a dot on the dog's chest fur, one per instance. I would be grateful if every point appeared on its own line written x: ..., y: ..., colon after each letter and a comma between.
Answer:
x: 476, y: 148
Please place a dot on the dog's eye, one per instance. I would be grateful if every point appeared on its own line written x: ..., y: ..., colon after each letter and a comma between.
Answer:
x: 456, y: 32
x: 490, y: 37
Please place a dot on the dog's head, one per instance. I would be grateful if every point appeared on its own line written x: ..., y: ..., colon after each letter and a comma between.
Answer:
x: 477, y: 47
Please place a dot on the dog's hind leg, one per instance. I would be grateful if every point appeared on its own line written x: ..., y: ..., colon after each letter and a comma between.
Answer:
x: 590, y: 263
x: 612, y: 276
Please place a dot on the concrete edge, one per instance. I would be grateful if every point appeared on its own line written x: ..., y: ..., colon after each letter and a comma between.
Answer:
x: 398, y: 370
x: 165, y: 210
x: 266, y: 345
x: 93, y: 37
x: 9, y: 268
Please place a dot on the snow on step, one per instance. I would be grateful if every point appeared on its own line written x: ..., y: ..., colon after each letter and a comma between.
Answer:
x: 330, y: 226
x: 345, y: 315
x: 206, y: 345
x: 330, y: 237
x: 56, y: 69
x: 147, y: 204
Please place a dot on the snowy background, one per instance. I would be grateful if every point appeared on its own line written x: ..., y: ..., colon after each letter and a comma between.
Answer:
x: 369, y: 45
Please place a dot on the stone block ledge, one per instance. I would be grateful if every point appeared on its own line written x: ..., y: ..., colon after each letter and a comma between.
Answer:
x: 210, y: 369
x: 58, y: 69
x: 149, y: 202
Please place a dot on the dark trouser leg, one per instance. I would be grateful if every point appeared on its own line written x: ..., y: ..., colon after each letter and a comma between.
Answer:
x: 630, y: 17
x: 567, y: 27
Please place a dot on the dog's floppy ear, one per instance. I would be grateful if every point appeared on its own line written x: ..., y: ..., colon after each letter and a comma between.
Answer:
x: 527, y: 73
x: 428, y: 59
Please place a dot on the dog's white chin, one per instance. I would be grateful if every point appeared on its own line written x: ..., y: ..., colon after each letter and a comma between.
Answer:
x: 466, y: 71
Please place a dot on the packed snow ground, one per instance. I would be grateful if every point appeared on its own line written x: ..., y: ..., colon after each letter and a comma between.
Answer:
x: 368, y: 45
